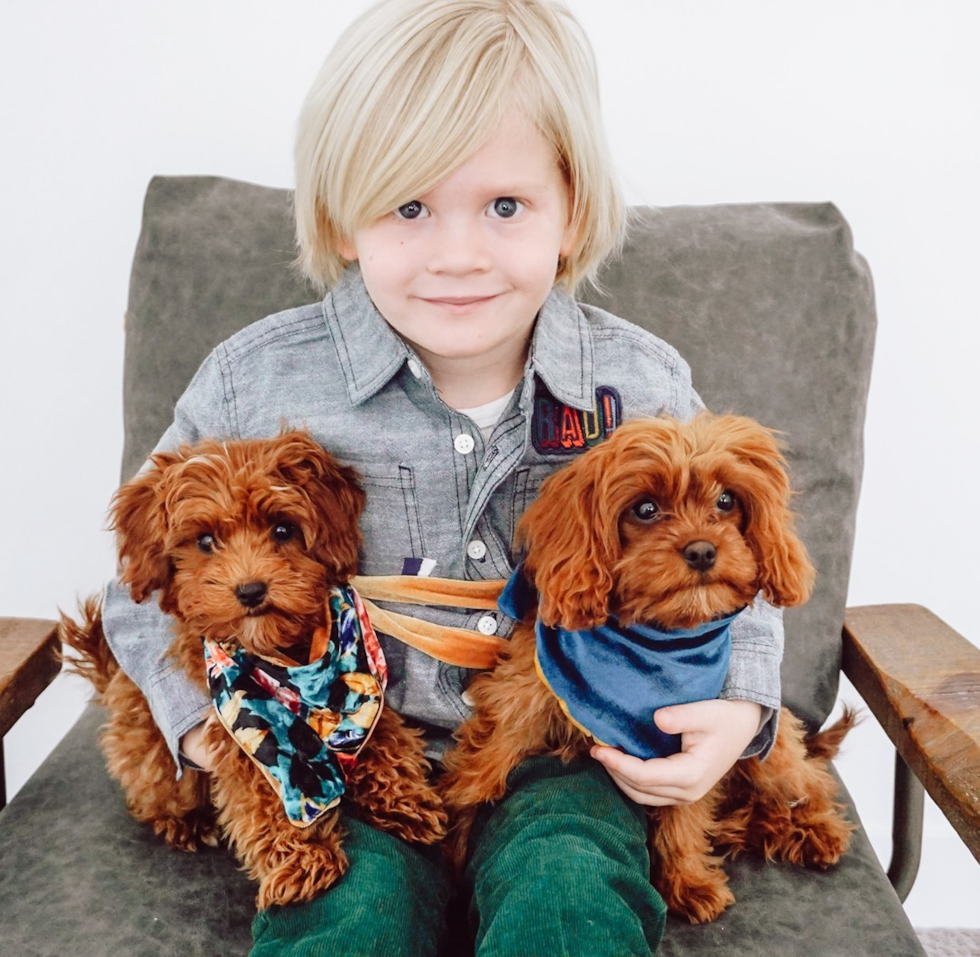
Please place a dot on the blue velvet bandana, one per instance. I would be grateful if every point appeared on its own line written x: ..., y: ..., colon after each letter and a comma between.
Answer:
x: 304, y: 725
x: 609, y: 680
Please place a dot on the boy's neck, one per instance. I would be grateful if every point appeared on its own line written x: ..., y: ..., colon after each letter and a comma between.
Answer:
x: 461, y: 391
x: 472, y: 382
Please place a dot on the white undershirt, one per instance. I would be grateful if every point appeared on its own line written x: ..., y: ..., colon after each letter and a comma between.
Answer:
x: 488, y: 415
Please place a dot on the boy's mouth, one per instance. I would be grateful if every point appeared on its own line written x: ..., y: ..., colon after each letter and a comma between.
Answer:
x: 461, y: 302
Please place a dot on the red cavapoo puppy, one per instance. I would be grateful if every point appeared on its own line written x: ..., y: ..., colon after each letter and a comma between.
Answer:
x: 249, y: 545
x: 669, y: 525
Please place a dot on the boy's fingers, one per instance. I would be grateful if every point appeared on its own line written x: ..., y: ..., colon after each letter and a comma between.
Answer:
x: 684, y: 718
x: 646, y: 799
x: 698, y: 719
x: 664, y: 775
x: 632, y: 777
x: 625, y: 766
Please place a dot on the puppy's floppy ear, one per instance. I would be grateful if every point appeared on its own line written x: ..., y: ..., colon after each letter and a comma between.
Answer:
x: 335, y: 497
x: 785, y: 573
x: 138, y: 515
x: 570, y: 537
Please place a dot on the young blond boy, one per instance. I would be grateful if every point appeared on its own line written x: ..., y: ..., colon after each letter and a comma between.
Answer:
x: 452, y: 188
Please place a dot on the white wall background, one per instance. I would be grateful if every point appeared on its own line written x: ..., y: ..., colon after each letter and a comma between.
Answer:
x: 872, y: 104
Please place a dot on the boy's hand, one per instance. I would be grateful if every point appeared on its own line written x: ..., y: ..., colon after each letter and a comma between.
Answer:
x: 192, y: 746
x: 713, y: 736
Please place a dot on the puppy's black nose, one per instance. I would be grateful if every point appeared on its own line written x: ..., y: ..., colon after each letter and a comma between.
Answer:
x: 251, y: 594
x: 700, y: 555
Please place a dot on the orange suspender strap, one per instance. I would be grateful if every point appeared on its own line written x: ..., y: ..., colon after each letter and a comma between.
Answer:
x: 455, y: 646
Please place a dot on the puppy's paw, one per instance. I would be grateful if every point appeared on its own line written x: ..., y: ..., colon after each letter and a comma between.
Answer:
x: 399, y: 801
x: 191, y: 832
x: 429, y: 827
x: 818, y: 844
x: 433, y: 827
x: 700, y: 903
x: 422, y: 826
x: 302, y: 876
x: 421, y: 820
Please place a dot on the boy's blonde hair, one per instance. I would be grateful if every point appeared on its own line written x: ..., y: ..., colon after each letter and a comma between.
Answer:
x: 414, y: 87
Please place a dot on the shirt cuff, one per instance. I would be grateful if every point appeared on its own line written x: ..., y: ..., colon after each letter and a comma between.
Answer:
x: 765, y: 737
x: 177, y: 706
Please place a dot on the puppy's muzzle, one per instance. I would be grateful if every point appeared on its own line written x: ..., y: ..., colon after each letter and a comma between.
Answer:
x: 700, y: 555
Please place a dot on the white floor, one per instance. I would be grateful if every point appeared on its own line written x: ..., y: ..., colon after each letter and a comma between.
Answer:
x: 951, y: 943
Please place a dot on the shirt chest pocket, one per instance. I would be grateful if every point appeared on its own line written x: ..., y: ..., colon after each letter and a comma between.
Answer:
x: 527, y: 481
x: 390, y: 522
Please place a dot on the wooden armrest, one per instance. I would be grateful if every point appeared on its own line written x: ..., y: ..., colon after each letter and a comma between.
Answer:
x: 29, y: 662
x: 921, y: 680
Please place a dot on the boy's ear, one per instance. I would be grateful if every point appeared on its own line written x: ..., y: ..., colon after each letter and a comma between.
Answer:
x: 569, y: 240
x: 347, y: 249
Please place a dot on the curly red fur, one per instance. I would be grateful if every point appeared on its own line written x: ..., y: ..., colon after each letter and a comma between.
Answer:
x: 589, y: 557
x: 236, y: 493
x: 594, y: 546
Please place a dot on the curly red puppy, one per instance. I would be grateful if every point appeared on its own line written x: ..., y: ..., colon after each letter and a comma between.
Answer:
x: 675, y: 524
x: 244, y: 543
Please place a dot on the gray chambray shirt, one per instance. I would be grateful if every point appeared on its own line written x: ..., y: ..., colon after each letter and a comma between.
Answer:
x: 435, y: 489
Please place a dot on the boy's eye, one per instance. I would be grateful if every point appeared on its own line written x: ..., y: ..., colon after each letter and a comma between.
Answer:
x: 412, y: 210
x: 505, y: 207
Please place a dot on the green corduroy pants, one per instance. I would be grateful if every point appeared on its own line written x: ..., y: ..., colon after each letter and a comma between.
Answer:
x: 558, y: 868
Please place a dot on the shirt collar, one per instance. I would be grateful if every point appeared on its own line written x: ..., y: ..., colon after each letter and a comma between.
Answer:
x: 562, y: 351
x: 371, y: 352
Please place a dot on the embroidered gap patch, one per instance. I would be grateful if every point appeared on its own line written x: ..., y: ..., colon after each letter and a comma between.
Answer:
x: 559, y: 429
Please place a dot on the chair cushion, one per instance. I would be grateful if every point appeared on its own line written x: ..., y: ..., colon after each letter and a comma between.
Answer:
x: 769, y: 304
x: 774, y: 311
x: 78, y: 876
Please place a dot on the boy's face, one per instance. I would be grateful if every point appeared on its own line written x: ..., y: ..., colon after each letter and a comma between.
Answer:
x: 462, y: 271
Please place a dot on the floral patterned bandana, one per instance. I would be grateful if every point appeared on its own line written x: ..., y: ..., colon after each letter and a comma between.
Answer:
x: 304, y: 725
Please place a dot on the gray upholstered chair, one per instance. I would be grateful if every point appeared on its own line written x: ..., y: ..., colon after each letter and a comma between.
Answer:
x: 774, y: 310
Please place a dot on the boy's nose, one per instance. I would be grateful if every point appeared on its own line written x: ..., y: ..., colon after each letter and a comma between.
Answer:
x: 458, y: 247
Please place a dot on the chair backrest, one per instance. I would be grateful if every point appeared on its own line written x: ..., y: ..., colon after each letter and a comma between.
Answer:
x: 768, y: 302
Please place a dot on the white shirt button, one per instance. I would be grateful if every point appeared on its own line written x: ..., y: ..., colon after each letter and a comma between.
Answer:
x: 415, y: 367
x: 464, y: 444
x: 487, y: 625
x: 467, y: 698
x: 476, y: 550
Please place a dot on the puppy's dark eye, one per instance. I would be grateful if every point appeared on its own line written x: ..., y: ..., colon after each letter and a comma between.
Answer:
x: 283, y: 531
x: 646, y: 511
x: 726, y: 502
x: 206, y: 542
